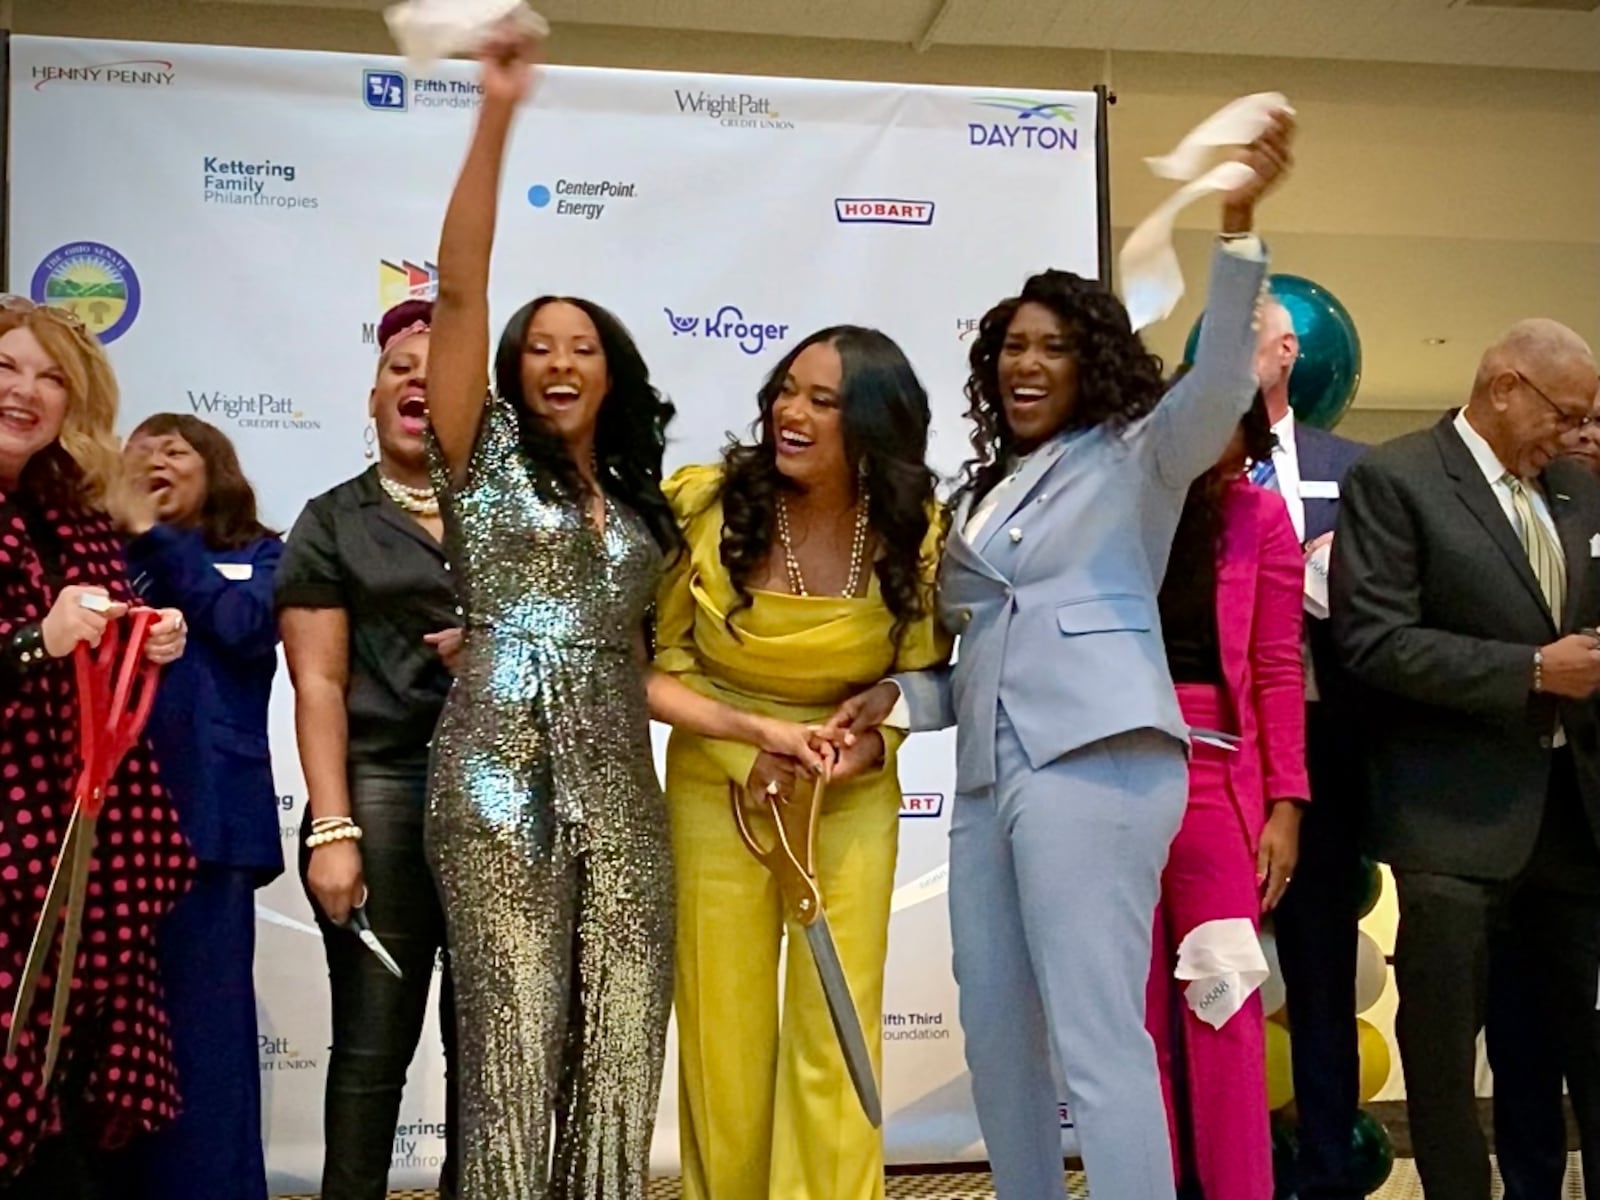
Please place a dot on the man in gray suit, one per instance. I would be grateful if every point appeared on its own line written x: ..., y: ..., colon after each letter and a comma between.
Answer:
x: 1465, y: 584
x: 1071, y: 767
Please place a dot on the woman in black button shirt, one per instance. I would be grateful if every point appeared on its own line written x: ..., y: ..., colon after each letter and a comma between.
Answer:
x: 368, y: 616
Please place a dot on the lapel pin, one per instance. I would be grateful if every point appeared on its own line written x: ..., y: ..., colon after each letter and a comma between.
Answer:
x: 1016, y: 535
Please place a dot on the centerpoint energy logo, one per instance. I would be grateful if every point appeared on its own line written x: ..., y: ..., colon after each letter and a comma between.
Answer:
x: 393, y: 91
x: 94, y: 282
x: 862, y: 211
x: 728, y: 324
x: 130, y: 72
x: 241, y: 182
x: 1033, y: 125
x: 586, y: 198
x: 734, y: 110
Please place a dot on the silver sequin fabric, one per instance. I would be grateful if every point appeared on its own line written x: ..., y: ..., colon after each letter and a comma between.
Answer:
x: 548, y: 837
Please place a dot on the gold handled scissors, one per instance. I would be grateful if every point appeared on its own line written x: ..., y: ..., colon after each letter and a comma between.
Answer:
x: 111, y: 716
x: 790, y: 858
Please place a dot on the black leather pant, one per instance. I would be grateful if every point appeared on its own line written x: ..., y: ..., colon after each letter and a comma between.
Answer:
x: 378, y: 1019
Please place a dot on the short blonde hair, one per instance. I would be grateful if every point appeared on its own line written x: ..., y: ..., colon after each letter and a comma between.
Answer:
x: 88, y: 439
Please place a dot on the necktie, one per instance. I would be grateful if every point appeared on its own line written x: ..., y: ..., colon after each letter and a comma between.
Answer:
x: 1544, y: 552
x: 1264, y: 474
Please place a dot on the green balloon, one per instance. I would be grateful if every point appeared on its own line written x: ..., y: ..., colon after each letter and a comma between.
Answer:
x: 1285, y: 1149
x: 1328, y: 371
x: 1372, y: 1157
x: 1371, y: 886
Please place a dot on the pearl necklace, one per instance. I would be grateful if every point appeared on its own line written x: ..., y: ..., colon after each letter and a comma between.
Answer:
x: 858, y: 551
x: 421, y: 502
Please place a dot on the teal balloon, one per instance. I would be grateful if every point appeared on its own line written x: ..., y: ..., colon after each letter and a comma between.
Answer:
x: 1371, y: 886
x: 1372, y: 1153
x: 1328, y: 371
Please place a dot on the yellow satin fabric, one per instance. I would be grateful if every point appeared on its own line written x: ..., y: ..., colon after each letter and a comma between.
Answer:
x: 766, y: 1107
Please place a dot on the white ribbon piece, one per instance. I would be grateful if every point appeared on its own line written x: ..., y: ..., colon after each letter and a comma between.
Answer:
x: 1222, y: 963
x: 1152, y: 282
x: 429, y: 30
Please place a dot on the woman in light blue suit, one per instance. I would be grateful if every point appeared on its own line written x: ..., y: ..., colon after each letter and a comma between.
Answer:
x: 1071, y: 773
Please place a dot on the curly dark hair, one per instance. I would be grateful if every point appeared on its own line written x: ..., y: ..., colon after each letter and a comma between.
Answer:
x: 885, y: 414
x: 227, y: 518
x: 1118, y: 380
x: 1195, y: 544
x: 631, y: 436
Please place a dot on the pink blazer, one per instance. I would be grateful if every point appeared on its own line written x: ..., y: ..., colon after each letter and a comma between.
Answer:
x: 1260, y: 575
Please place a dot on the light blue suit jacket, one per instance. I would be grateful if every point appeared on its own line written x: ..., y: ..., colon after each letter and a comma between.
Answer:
x: 1055, y: 606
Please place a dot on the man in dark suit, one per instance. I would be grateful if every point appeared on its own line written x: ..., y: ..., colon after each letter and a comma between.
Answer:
x: 1466, y: 566
x: 1317, y: 919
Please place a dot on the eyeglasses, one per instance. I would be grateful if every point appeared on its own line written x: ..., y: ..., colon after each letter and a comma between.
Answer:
x: 14, y: 303
x: 1564, y: 419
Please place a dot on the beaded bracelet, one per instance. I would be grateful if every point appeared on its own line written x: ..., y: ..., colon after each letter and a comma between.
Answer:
x: 24, y: 649
x: 325, y: 830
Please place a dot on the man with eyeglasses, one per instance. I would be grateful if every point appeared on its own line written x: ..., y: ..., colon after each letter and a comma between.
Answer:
x: 1465, y: 589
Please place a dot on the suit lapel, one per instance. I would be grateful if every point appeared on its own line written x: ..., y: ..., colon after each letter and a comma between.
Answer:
x: 1027, y: 481
x: 1479, y: 497
x: 957, y: 546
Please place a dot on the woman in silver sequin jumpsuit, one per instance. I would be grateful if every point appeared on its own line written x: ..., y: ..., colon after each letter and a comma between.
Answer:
x: 546, y: 826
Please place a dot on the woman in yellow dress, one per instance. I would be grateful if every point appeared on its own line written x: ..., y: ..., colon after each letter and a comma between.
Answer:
x: 807, y: 572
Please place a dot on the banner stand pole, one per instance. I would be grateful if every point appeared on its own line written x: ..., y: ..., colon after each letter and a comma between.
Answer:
x: 1105, y: 98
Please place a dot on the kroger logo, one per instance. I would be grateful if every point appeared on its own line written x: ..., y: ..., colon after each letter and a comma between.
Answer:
x: 927, y: 804
x: 1030, y: 124
x: 729, y: 324
x: 883, y: 212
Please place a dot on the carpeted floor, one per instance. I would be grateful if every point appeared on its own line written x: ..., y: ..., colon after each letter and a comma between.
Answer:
x: 974, y: 1185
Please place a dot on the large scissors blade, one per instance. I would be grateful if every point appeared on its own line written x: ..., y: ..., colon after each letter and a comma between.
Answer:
x: 362, y: 928
x: 83, y: 853
x: 44, y: 934
x: 846, y: 1022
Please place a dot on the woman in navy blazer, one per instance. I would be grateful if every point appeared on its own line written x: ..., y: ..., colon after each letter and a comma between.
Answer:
x: 196, y: 544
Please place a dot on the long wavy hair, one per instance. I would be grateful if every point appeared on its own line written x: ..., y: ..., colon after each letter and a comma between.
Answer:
x: 227, y: 519
x: 885, y: 415
x: 631, y: 436
x: 1118, y: 380
x: 1199, y: 534
x: 76, y: 469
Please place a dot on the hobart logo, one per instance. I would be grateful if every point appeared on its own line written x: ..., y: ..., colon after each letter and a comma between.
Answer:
x: 734, y: 110
x: 130, y: 72
x: 923, y: 805
x: 883, y: 212
x: 1034, y: 124
x: 728, y: 324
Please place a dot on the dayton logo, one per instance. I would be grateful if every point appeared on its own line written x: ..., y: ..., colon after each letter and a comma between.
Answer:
x: 130, y: 72
x: 1034, y: 124
x: 728, y: 324
x: 883, y: 212
x: 925, y: 804
x: 94, y: 282
x: 739, y: 110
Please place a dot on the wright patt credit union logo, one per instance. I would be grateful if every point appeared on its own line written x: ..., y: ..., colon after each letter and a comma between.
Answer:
x: 1024, y: 123
x: 732, y: 110
x: 92, y: 280
x: 728, y: 324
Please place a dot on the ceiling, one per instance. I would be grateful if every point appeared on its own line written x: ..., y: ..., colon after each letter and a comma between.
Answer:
x: 1549, y: 34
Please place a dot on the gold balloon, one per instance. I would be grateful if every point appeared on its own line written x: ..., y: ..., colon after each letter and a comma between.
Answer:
x: 1280, y: 1073
x: 1376, y: 1062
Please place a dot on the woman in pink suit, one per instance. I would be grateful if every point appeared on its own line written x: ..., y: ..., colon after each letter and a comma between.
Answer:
x: 1230, y: 613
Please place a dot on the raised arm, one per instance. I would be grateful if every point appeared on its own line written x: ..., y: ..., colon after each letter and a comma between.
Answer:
x: 458, y: 379
x: 1192, y: 425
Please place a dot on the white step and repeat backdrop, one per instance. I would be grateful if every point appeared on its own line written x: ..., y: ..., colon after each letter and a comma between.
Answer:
x: 234, y: 221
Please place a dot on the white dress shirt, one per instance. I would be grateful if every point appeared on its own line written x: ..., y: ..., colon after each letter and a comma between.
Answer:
x: 1286, y: 462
